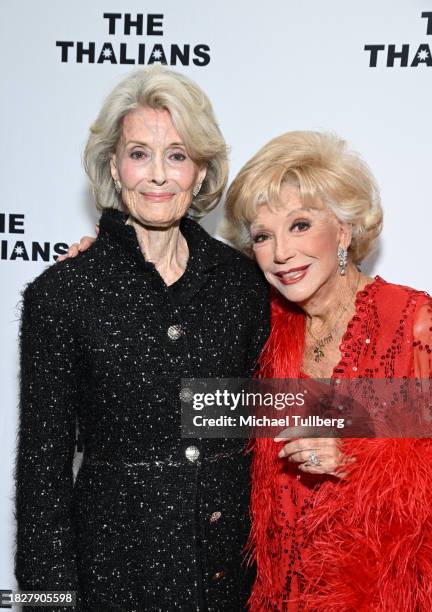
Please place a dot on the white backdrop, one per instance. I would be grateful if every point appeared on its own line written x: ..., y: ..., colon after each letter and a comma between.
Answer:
x: 267, y: 66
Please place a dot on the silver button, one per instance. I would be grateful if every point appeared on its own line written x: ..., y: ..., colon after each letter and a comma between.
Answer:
x: 186, y: 394
x: 174, y: 332
x: 215, y: 516
x: 192, y: 453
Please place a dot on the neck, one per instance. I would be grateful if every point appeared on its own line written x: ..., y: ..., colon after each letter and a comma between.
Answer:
x: 166, y: 248
x: 335, y: 297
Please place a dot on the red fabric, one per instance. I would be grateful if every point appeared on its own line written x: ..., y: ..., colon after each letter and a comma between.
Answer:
x: 363, y: 542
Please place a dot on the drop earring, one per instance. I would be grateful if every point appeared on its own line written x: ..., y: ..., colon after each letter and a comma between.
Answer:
x: 343, y: 260
x: 196, y: 189
x: 117, y: 186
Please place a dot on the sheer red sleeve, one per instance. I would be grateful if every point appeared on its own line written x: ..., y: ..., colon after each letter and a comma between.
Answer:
x: 422, y: 336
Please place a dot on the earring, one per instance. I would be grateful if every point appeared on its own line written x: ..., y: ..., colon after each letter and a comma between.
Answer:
x: 342, y: 259
x: 117, y: 186
x: 196, y: 189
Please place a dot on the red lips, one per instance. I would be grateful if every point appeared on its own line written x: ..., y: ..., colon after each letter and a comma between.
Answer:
x: 290, y: 281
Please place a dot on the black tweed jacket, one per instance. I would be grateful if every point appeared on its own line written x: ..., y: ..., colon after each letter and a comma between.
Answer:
x: 153, y: 521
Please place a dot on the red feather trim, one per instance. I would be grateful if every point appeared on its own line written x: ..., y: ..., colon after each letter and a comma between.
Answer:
x: 370, y: 537
x: 280, y: 358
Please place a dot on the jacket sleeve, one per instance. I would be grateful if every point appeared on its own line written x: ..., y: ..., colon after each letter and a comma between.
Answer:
x: 259, y: 321
x: 45, y: 556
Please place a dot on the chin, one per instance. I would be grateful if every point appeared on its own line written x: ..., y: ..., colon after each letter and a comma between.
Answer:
x: 157, y: 223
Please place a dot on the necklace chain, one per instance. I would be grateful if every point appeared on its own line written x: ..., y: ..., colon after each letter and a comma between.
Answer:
x: 328, y: 338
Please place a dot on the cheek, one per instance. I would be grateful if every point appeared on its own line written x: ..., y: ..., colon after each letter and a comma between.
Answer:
x: 319, y: 244
x: 182, y: 201
x: 184, y: 176
x: 263, y: 257
x: 326, y: 249
x: 130, y: 173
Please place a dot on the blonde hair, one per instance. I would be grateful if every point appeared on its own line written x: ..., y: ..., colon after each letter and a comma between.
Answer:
x: 192, y: 115
x: 326, y: 173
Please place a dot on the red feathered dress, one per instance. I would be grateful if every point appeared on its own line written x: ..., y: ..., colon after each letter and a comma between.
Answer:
x: 362, y: 543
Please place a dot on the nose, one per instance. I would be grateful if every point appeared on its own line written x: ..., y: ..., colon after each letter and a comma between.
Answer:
x: 283, y: 250
x: 157, y: 170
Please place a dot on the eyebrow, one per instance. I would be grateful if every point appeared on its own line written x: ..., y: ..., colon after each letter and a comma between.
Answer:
x: 145, y: 144
x: 292, y: 212
x: 301, y: 209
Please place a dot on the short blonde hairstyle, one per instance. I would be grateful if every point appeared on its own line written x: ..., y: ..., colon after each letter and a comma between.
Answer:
x: 327, y: 175
x: 192, y: 115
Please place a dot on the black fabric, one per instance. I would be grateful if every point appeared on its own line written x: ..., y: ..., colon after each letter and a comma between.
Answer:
x: 134, y: 532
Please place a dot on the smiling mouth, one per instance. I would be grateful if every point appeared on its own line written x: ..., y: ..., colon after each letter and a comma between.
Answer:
x: 158, y: 197
x: 293, y: 275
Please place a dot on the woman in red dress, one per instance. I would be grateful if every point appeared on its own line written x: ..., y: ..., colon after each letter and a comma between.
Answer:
x: 338, y: 526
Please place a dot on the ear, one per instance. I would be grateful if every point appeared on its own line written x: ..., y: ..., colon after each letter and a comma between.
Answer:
x: 345, y: 234
x: 113, y: 166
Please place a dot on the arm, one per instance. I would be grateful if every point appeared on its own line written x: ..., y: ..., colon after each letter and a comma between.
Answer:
x: 45, y: 547
x: 422, y: 336
x: 422, y: 358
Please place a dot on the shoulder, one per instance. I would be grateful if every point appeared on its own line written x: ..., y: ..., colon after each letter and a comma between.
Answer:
x: 223, y: 258
x: 59, y: 282
x: 391, y: 291
x: 401, y: 302
x: 242, y: 271
x: 235, y: 257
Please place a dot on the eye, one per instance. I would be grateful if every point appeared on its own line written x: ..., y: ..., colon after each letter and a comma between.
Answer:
x: 259, y: 238
x: 138, y: 155
x: 300, y: 226
x: 178, y: 156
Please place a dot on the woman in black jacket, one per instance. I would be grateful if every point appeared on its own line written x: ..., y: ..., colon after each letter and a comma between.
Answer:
x: 153, y: 521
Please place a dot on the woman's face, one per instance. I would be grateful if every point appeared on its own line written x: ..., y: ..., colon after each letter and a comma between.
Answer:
x: 296, y: 247
x: 155, y: 171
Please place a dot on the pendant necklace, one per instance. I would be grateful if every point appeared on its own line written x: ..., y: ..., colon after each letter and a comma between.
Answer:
x: 320, y: 343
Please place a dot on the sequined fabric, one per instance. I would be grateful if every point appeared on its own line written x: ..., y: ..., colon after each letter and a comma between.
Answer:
x: 389, y: 336
x: 103, y: 343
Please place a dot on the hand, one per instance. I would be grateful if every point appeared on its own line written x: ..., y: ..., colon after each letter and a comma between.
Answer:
x: 326, y: 450
x: 75, y: 249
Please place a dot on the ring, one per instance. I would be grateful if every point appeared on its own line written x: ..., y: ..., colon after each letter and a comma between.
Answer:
x: 313, y: 459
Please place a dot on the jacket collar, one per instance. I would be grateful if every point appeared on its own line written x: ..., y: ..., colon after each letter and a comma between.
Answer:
x: 205, y: 252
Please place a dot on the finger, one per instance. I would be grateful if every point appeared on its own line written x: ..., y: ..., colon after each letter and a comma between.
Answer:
x: 73, y: 250
x: 300, y: 444
x: 325, y: 467
x: 300, y: 457
x: 283, y: 435
x: 312, y: 469
x: 289, y: 449
x: 327, y: 444
x: 85, y: 243
x: 297, y: 446
x: 297, y: 432
x: 328, y: 464
x: 338, y: 474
